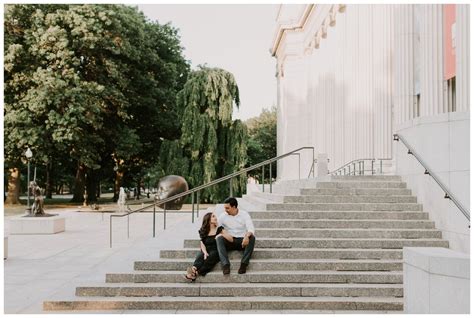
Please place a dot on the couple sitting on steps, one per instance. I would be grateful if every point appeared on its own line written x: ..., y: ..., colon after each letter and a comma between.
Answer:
x: 232, y: 231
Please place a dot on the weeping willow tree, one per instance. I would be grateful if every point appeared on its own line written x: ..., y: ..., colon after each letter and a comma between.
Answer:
x: 212, y: 145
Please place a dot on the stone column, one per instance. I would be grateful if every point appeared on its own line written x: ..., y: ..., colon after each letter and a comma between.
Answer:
x: 462, y: 58
x: 403, y: 77
x: 431, y: 38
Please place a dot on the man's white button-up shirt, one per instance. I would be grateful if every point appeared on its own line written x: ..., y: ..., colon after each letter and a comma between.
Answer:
x: 237, y: 225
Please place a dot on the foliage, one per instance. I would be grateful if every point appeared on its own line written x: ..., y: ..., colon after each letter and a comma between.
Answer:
x: 92, y: 84
x: 262, y: 143
x: 212, y: 145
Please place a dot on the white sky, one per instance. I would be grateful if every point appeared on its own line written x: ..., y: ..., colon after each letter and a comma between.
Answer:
x: 236, y: 38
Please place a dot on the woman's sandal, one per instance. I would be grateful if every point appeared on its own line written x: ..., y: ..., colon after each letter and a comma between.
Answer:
x: 190, y: 274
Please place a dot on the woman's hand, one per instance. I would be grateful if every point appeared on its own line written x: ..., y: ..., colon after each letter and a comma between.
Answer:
x: 206, y: 255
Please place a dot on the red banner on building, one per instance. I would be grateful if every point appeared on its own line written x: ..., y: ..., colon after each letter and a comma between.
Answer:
x: 449, y: 40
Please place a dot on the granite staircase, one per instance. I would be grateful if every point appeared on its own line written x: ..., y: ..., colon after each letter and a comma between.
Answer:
x: 333, y: 245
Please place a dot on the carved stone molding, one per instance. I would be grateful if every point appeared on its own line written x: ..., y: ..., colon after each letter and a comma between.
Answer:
x: 317, y: 39
x: 324, y: 28
x: 332, y: 15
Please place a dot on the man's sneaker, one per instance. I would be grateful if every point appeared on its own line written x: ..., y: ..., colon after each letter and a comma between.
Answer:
x: 226, y: 269
x: 243, y: 268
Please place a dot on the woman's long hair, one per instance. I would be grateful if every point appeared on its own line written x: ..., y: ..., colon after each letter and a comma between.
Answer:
x: 206, y: 225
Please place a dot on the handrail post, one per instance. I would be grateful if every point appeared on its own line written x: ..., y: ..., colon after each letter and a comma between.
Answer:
x: 354, y: 166
x: 372, y: 166
x: 349, y: 169
x: 270, y: 177
x: 110, y: 230
x: 192, y: 203
x: 299, y: 167
x: 314, y: 168
x: 363, y: 167
x: 164, y: 216
x: 380, y: 166
x: 263, y: 178
x: 231, y: 192
x: 197, y: 207
x: 154, y: 218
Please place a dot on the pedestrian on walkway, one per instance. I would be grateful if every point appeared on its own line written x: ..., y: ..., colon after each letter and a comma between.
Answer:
x: 240, y: 226
x: 208, y: 256
x: 121, y: 200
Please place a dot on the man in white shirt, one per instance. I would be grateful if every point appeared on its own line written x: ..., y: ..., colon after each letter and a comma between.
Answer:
x: 238, y: 224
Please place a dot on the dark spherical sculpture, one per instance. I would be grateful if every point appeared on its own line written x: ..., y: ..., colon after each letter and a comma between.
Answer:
x: 169, y: 186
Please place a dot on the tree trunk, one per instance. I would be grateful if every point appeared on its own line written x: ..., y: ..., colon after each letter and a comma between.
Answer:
x: 118, y: 183
x: 13, y: 196
x: 138, y: 188
x: 99, y: 191
x: 91, y: 186
x: 49, y: 180
x: 79, y: 184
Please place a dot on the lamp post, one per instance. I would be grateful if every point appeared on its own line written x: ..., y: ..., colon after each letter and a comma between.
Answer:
x: 28, y: 155
x: 148, y: 186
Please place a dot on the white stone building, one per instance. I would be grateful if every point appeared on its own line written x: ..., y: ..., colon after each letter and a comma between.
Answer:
x: 351, y: 76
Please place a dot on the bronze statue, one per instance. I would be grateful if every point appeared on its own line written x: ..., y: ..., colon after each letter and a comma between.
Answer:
x: 37, y: 209
x: 38, y: 201
x: 169, y: 186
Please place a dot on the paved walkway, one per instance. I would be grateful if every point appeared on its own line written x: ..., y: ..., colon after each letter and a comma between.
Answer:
x: 49, y: 267
x: 42, y: 267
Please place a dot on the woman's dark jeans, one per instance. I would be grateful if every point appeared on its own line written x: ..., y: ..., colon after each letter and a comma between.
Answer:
x: 204, y: 266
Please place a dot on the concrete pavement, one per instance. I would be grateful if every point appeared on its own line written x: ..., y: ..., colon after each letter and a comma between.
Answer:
x: 49, y: 267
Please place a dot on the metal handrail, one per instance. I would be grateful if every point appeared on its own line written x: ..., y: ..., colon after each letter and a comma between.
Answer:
x: 204, y: 186
x: 428, y: 171
x: 353, y: 162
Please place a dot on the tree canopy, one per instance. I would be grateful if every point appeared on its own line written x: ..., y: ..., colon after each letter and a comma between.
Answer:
x: 262, y: 142
x: 212, y: 145
x: 90, y: 84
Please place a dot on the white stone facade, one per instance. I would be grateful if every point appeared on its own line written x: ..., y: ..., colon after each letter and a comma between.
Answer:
x: 350, y: 76
x: 435, y: 281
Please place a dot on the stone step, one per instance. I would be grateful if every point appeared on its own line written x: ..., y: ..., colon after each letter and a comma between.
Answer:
x: 340, y: 215
x: 347, y: 233
x: 293, y: 253
x: 256, y: 200
x: 355, y: 191
x: 260, y: 277
x: 368, y: 178
x: 332, y: 224
x: 229, y: 303
x: 344, y: 207
x: 278, y: 198
x: 281, y: 265
x: 252, y: 202
x: 361, y: 184
x: 241, y: 290
x: 338, y: 243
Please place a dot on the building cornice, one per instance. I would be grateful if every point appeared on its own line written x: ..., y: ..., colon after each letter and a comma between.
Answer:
x: 282, y: 29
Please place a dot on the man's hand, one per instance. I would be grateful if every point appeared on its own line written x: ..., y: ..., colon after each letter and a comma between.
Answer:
x: 245, y: 241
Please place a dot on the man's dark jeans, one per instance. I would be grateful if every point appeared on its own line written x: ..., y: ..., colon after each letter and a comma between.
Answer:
x: 223, y: 246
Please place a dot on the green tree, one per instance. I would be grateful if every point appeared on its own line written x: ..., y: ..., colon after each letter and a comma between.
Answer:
x: 159, y: 74
x: 94, y: 84
x: 262, y: 143
x: 212, y: 145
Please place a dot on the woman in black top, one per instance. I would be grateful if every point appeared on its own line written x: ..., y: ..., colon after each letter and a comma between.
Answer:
x: 208, y: 256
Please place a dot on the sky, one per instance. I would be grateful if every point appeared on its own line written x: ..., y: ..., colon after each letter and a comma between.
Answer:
x: 236, y: 38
